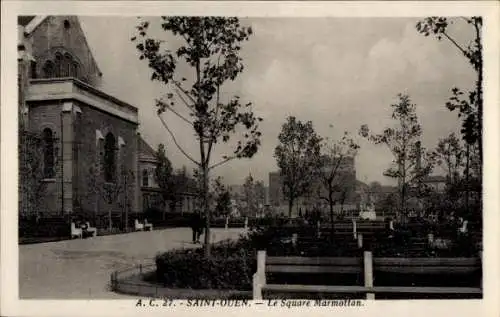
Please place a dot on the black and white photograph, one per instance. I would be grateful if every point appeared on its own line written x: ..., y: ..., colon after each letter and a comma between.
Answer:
x: 246, y: 161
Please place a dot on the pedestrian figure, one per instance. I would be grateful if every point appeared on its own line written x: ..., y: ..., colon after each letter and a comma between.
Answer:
x: 195, y: 224
x: 201, y: 227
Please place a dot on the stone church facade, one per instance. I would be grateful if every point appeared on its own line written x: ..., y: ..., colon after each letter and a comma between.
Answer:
x: 91, y: 144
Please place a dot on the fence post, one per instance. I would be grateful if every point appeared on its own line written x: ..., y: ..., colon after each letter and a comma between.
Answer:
x: 227, y: 223
x: 112, y: 281
x: 259, y: 278
x: 368, y: 264
x: 354, y: 228
x: 360, y: 240
x: 319, y: 228
x: 246, y: 223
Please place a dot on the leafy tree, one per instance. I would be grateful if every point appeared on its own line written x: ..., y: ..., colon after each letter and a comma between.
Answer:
x: 449, y: 154
x: 335, y: 182
x: 468, y: 103
x: 210, y: 49
x: 298, y: 156
x: 164, y: 176
x: 253, y: 195
x: 410, y: 165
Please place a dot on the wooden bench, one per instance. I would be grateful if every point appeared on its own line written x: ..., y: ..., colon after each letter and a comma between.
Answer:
x: 91, y: 230
x: 76, y: 232
x: 455, y: 267
x: 138, y: 226
x: 367, y: 266
x: 147, y: 225
x: 294, y: 265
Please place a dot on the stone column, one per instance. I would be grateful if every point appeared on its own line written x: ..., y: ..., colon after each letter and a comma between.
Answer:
x: 67, y: 139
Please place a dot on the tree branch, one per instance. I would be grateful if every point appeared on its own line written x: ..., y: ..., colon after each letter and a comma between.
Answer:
x: 222, y: 162
x: 456, y: 44
x: 183, y: 100
x: 176, y: 143
x: 176, y: 83
x: 179, y: 115
x: 215, y: 128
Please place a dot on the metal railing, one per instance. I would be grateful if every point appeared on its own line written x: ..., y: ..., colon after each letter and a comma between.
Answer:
x: 130, y: 281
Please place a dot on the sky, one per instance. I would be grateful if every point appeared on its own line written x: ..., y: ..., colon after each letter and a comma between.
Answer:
x: 343, y: 72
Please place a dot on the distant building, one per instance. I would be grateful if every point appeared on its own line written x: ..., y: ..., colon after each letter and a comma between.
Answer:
x: 150, y: 196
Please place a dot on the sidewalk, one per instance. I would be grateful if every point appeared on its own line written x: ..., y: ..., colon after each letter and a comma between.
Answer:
x: 80, y: 269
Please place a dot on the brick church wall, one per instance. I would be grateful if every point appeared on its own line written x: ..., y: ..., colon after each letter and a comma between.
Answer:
x: 92, y: 120
x: 52, y: 36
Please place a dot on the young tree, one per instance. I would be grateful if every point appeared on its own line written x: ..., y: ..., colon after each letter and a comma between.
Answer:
x: 297, y: 155
x: 111, y: 193
x: 165, y: 177
x: 210, y: 48
x: 410, y: 164
x: 469, y: 104
x: 334, y: 181
x: 449, y: 154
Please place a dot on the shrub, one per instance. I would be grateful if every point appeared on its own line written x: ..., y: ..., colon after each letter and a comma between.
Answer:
x: 229, y: 267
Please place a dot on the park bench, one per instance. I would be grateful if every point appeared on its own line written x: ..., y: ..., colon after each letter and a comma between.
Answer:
x: 138, y: 226
x: 147, y: 225
x: 454, y: 268
x: 367, y: 267
x: 76, y: 232
x: 91, y: 230
x: 299, y: 265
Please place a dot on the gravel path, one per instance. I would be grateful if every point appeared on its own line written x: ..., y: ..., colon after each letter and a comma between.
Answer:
x: 80, y: 269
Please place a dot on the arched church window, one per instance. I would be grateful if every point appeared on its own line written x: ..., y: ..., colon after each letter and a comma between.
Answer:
x: 58, y: 65
x: 145, y: 178
x: 48, y: 69
x: 74, y: 70
x: 48, y: 153
x: 67, y: 68
x: 109, y: 158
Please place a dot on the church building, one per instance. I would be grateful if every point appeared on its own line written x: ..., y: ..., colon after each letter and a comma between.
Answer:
x: 91, y: 160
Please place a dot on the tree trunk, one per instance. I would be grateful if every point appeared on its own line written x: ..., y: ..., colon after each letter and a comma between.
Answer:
x: 207, y: 210
x: 290, y: 206
x: 109, y: 217
x: 467, y: 162
x: 332, y: 229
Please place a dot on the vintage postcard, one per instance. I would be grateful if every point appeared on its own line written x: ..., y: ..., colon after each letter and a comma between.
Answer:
x: 244, y: 157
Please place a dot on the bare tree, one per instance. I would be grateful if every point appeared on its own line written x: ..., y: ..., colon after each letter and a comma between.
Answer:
x: 112, y: 193
x: 334, y: 180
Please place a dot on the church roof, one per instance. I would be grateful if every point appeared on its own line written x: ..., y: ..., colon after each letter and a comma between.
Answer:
x: 146, y: 152
x: 30, y: 23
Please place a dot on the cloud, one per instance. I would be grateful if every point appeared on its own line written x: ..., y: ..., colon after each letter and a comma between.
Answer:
x: 343, y: 71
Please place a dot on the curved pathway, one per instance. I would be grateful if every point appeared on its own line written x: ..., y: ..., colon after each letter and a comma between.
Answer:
x: 81, y: 269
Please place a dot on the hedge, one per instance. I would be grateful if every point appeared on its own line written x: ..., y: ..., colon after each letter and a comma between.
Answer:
x: 229, y: 267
